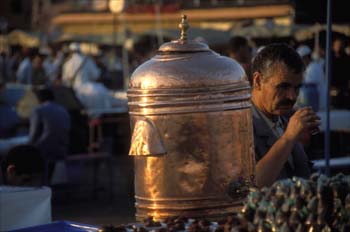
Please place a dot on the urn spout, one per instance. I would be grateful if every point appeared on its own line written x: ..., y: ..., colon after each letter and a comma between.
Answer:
x: 146, y: 140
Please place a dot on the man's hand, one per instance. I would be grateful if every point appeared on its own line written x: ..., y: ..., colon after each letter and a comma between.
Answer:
x: 304, y: 119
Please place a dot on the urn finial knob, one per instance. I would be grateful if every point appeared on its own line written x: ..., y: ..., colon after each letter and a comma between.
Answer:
x: 184, y: 27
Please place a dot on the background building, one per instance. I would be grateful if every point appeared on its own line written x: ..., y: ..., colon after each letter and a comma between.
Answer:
x: 15, y: 13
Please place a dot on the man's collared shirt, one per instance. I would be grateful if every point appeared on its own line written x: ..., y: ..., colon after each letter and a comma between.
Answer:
x: 276, y: 125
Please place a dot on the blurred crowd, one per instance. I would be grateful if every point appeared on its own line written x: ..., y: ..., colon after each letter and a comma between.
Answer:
x: 44, y: 66
x: 89, y: 76
x: 57, y: 79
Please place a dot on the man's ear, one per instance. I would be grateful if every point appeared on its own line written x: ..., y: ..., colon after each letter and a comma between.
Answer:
x: 257, y: 80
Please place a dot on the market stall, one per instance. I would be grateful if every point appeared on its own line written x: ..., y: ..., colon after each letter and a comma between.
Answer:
x: 192, y: 142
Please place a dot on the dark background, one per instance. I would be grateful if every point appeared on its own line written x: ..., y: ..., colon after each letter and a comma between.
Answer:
x: 315, y: 11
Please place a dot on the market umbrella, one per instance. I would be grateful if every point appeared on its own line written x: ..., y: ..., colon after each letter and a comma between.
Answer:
x: 264, y: 31
x: 210, y: 36
x: 4, y: 46
x: 308, y: 32
x: 97, y: 39
x: 19, y: 37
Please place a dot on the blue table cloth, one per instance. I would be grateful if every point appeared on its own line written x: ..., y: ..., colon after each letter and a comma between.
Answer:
x: 60, y: 226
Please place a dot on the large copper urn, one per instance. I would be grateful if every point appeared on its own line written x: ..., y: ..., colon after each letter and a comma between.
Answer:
x: 192, y: 132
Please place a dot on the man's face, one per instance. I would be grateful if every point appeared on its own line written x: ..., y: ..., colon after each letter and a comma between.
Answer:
x: 279, y: 92
x: 338, y: 45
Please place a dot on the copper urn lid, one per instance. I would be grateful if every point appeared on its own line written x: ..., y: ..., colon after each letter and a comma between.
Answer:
x: 183, y: 69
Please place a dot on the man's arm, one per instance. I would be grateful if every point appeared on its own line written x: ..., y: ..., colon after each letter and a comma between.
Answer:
x: 269, y: 167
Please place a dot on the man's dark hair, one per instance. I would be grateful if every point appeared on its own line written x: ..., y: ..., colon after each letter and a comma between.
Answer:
x: 237, y: 42
x: 26, y: 158
x: 277, y: 53
x: 44, y: 94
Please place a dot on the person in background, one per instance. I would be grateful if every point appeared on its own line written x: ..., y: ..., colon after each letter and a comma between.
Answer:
x: 39, y: 76
x: 312, y: 91
x: 14, y: 61
x: 340, y: 81
x: 79, y: 69
x: 5, y: 69
x: 49, y: 129
x: 23, y: 166
x: 9, y: 119
x: 277, y: 74
x: 81, y: 73
x: 347, y: 46
x: 105, y: 76
x: 25, y: 69
x: 53, y: 64
x: 241, y: 51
